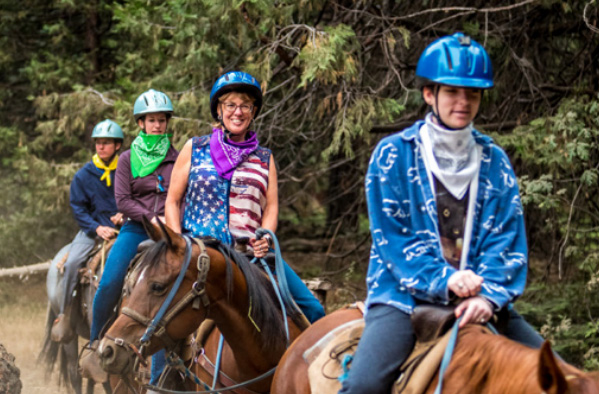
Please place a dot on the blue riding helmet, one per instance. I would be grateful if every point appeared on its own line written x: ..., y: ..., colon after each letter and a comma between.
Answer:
x: 235, y: 81
x: 108, y: 129
x: 150, y: 102
x: 456, y: 60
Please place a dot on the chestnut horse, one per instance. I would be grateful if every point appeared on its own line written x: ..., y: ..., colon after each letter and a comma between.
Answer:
x: 481, y: 363
x: 236, y: 295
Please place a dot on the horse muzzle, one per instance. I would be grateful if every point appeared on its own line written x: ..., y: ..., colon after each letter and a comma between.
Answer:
x: 116, y: 356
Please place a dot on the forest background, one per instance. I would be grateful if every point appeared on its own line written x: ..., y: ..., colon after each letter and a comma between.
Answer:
x: 338, y: 76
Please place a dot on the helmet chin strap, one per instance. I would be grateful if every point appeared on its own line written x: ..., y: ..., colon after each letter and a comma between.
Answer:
x: 222, y: 123
x: 435, y: 111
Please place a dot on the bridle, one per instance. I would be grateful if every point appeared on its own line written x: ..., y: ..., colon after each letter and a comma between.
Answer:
x: 156, y: 327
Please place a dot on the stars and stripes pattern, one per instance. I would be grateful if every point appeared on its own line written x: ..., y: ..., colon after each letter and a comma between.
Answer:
x: 223, y: 209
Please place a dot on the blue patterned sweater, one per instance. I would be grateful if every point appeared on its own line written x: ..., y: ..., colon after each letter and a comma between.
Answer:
x: 406, y: 259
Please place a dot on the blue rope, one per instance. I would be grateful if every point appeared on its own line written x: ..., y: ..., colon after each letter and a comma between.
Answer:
x: 347, y: 359
x: 278, y: 293
x: 219, y: 355
x: 279, y: 268
x: 167, y: 302
x: 449, y: 351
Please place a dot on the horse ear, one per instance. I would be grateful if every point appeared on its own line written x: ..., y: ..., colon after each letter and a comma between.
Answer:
x: 551, y: 377
x: 153, y: 232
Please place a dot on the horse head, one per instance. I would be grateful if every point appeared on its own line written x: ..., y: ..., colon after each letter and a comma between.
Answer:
x: 151, y: 283
x: 178, y: 283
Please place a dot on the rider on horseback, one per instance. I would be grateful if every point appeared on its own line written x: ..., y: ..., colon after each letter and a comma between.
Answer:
x: 228, y: 182
x: 142, y: 180
x: 95, y: 210
x: 445, y: 216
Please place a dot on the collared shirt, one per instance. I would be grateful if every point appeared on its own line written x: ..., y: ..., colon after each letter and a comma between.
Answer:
x: 406, y: 257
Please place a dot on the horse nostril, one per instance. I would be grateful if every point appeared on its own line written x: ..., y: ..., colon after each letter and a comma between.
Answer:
x: 107, y: 352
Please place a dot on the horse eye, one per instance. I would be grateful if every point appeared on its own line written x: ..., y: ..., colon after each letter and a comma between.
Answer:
x: 158, y: 288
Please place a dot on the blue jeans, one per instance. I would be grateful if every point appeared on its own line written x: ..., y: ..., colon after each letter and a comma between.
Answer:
x: 387, y: 341
x: 115, y: 270
x: 111, y: 284
x: 302, y: 296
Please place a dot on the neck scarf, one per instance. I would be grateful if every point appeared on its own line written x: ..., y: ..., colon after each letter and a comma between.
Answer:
x: 451, y: 155
x: 147, y: 152
x: 227, y: 155
x: 107, y: 168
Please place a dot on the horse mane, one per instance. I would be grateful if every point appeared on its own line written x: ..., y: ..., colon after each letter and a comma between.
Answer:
x: 486, y: 362
x: 265, y: 308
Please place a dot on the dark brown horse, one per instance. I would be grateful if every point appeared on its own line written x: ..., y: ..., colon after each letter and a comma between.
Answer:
x: 481, y: 363
x: 221, y: 285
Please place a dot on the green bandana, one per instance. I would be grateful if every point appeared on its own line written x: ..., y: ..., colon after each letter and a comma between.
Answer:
x: 147, y: 152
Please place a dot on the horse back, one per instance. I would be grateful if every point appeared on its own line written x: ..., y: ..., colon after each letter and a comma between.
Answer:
x: 292, y: 374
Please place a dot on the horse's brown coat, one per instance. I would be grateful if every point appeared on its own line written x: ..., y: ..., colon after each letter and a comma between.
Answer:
x: 482, y: 363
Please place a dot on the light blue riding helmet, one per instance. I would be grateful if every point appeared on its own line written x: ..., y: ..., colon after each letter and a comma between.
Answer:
x: 108, y: 129
x: 455, y: 60
x: 150, y: 102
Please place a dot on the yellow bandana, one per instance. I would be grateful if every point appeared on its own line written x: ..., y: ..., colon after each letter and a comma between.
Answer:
x: 107, y: 169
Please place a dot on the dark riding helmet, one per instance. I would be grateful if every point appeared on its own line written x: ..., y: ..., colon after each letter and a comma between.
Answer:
x: 235, y: 81
x: 455, y: 60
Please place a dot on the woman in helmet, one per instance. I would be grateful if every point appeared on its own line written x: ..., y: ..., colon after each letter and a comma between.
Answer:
x: 142, y: 179
x: 94, y: 208
x: 445, y: 217
x: 229, y: 182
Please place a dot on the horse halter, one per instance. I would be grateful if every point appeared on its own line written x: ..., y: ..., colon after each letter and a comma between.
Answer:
x: 157, y: 325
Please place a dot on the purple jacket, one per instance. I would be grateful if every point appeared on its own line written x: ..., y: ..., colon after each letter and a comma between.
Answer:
x: 140, y: 197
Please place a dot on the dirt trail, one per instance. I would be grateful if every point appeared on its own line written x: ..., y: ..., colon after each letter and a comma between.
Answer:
x: 22, y: 319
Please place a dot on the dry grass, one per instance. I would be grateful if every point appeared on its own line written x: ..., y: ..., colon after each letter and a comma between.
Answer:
x: 22, y: 320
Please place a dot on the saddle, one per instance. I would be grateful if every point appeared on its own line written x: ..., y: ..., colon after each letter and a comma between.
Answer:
x: 330, y: 358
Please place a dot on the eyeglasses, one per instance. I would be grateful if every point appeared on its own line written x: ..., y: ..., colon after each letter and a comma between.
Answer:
x: 230, y: 107
x: 159, y: 186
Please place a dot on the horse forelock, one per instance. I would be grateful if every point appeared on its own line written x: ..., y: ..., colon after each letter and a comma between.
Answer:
x: 153, y: 255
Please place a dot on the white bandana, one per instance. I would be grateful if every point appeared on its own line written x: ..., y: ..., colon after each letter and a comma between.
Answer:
x: 451, y: 155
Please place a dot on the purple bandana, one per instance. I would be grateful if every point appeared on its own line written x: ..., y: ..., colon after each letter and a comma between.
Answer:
x: 227, y: 155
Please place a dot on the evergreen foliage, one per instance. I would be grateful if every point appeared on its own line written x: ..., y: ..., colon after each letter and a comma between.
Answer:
x: 337, y: 75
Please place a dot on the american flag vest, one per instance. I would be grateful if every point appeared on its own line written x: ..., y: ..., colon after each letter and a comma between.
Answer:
x: 223, y: 209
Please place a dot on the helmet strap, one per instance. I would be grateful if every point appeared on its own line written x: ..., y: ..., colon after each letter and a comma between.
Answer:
x: 435, y: 109
x: 227, y: 132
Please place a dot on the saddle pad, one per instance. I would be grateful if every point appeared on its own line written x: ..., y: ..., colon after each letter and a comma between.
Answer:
x: 325, y: 357
x: 419, y: 369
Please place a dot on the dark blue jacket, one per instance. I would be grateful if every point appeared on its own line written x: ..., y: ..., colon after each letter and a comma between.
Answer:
x: 92, y: 201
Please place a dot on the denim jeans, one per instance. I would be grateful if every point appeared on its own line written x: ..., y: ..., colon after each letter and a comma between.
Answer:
x: 115, y: 270
x: 387, y: 341
x: 111, y: 285
x: 302, y: 296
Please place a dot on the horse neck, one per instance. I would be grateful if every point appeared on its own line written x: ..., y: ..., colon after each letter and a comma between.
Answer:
x: 488, y: 363
x: 231, y: 317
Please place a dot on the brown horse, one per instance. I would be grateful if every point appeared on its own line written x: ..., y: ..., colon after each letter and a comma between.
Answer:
x: 237, y: 296
x: 481, y: 363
